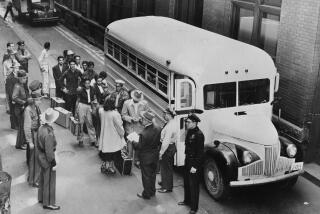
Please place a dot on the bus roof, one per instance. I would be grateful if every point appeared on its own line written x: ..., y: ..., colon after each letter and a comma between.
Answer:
x: 192, y: 51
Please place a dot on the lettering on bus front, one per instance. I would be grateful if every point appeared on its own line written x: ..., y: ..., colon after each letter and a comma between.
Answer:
x: 142, y: 70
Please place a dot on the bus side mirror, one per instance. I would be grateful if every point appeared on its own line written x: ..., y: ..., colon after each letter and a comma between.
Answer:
x: 276, y: 82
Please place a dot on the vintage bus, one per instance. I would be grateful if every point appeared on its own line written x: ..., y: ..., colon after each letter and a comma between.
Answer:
x: 229, y: 84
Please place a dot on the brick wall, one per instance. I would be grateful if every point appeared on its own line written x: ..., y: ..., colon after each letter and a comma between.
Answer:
x: 298, y: 57
x: 217, y: 16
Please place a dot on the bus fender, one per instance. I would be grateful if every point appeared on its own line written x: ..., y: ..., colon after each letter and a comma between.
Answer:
x: 226, y: 160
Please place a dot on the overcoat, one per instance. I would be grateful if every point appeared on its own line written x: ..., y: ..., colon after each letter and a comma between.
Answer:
x: 112, y: 132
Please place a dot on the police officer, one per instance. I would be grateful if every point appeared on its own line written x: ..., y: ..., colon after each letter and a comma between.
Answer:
x: 194, y: 150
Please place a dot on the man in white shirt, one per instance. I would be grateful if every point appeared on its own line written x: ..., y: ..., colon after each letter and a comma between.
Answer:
x: 167, y: 151
x: 85, y: 98
x: 77, y: 58
x: 45, y: 67
x: 131, y: 114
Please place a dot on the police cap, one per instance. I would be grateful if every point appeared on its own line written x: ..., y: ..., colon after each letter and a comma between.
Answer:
x: 193, y: 118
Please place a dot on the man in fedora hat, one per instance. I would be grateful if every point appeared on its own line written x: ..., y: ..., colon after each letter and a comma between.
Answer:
x: 47, y: 146
x: 194, y: 150
x: 148, y: 146
x: 168, y: 150
x: 120, y: 95
x: 19, y: 96
x: 130, y: 113
x: 31, y: 125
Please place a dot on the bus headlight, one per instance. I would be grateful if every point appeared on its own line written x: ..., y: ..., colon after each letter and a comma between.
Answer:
x: 247, y: 157
x: 291, y: 150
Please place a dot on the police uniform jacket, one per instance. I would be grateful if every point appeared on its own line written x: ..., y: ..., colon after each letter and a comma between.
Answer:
x: 194, y: 148
x: 46, y: 145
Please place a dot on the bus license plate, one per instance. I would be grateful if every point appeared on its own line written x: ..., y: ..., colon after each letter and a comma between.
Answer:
x: 296, y: 166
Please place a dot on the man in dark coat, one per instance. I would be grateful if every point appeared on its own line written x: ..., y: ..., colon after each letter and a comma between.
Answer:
x: 12, y: 79
x: 194, y: 150
x: 148, y: 146
x: 57, y: 71
x: 73, y: 79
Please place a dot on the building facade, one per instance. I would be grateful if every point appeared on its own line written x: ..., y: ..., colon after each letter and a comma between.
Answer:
x: 286, y: 29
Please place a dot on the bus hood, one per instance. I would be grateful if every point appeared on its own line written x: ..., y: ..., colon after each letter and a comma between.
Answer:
x: 252, y: 128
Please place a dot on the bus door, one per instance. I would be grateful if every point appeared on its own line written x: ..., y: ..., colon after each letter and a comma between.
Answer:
x: 184, y: 102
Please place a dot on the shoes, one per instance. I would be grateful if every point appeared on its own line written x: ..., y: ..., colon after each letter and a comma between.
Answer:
x: 164, y: 190
x: 81, y: 143
x: 40, y: 202
x: 192, y: 212
x: 51, y: 207
x: 93, y: 143
x: 142, y: 196
x: 23, y: 147
x: 182, y: 203
x: 160, y: 183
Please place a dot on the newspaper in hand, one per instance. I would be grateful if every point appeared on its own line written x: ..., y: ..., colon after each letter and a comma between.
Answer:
x: 133, y: 137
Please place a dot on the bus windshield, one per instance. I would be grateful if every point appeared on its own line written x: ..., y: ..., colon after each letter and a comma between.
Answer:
x: 223, y: 95
x: 254, y: 91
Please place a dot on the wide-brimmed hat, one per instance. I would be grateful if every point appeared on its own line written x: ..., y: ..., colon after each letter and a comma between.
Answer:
x: 137, y: 95
x: 35, y: 85
x: 149, y: 116
x: 49, y: 116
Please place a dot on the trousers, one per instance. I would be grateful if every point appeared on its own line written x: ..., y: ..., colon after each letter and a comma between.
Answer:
x: 18, y: 111
x: 191, y: 187
x: 33, y: 162
x: 71, y: 100
x: 47, y: 186
x: 45, y: 80
x: 148, y: 174
x: 85, y: 116
x: 166, y: 167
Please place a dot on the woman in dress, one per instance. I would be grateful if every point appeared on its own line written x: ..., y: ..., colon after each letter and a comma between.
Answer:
x: 111, y: 139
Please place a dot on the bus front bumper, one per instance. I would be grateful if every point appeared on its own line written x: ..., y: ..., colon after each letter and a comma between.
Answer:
x: 265, y: 180
x: 44, y: 19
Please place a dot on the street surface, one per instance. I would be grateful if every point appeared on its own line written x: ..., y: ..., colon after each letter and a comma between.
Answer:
x: 82, y: 189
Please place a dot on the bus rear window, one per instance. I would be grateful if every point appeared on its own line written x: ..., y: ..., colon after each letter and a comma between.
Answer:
x: 222, y: 95
x: 254, y: 91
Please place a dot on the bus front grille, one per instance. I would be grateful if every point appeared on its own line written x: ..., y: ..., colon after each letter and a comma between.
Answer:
x: 253, y: 169
x: 271, y: 157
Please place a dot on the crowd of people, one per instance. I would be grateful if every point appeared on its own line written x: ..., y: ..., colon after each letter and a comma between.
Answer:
x: 108, y: 117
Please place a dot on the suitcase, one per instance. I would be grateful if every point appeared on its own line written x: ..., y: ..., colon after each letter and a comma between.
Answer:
x: 52, y: 90
x: 124, y: 164
x: 64, y: 117
x: 74, y: 126
x: 57, y: 102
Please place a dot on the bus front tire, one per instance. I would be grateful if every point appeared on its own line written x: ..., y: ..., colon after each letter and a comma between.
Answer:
x: 215, y: 181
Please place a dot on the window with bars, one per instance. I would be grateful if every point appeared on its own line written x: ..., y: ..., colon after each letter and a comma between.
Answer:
x: 148, y: 73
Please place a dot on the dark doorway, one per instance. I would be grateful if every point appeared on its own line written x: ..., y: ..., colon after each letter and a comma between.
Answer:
x: 189, y: 11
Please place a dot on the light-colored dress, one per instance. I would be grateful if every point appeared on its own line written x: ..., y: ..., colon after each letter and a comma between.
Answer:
x: 112, y: 132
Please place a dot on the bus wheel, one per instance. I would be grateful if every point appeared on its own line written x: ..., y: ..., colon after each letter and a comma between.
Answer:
x: 215, y: 182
